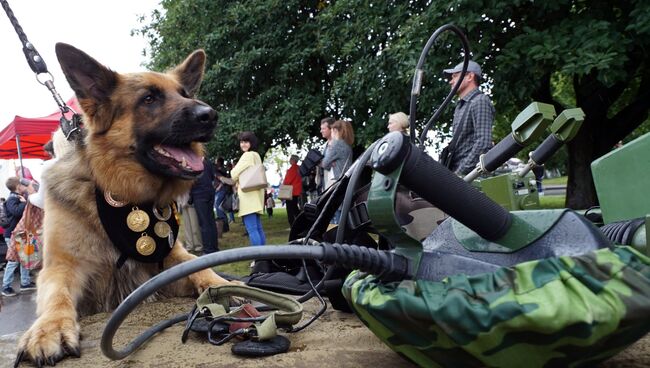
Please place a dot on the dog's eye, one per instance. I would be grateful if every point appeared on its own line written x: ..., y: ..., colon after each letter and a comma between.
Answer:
x: 149, y: 99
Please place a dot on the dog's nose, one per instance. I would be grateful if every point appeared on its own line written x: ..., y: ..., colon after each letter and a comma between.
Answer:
x: 205, y: 114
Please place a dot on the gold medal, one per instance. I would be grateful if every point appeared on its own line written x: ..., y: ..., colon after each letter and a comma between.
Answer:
x: 162, y: 229
x: 145, y: 245
x: 137, y: 220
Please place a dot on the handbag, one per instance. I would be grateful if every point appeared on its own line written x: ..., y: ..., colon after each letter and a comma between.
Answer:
x: 311, y: 160
x: 285, y: 192
x: 235, y: 202
x: 253, y: 178
x: 27, y: 238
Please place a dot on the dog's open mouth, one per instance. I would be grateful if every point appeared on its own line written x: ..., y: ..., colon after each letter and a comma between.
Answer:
x: 177, y: 161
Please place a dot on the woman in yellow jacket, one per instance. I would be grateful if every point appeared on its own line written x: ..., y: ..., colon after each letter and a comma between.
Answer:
x: 251, y: 204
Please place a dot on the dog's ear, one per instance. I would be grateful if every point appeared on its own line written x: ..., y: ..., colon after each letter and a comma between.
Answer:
x: 190, y: 72
x: 87, y: 77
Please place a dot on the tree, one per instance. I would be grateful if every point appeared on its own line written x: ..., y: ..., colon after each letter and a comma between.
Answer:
x: 277, y: 67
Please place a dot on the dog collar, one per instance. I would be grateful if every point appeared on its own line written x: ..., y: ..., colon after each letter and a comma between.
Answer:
x: 142, y: 232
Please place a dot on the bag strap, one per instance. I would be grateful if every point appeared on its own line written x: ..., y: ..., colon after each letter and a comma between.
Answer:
x: 27, y: 217
x: 454, y: 139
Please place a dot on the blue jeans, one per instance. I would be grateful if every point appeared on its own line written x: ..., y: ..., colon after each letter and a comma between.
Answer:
x: 8, y: 278
x: 253, y: 225
x: 218, y: 199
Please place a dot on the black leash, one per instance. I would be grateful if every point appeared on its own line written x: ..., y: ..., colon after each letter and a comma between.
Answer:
x: 71, y: 128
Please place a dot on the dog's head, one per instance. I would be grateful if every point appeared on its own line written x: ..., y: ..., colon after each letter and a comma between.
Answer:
x: 143, y: 120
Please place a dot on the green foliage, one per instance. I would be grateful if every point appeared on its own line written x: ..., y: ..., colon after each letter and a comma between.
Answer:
x: 277, y: 67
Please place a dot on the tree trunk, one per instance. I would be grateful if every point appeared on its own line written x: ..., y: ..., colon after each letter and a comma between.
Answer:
x: 580, y: 191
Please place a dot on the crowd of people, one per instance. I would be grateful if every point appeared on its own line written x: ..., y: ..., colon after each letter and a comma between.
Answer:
x: 219, y: 196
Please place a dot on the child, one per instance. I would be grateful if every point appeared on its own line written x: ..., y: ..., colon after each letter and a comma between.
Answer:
x: 270, y: 203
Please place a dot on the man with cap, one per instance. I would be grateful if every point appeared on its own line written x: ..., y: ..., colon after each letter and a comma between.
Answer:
x: 473, y: 118
x: 292, y: 177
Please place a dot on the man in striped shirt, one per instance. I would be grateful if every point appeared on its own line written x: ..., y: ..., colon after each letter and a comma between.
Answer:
x: 473, y: 118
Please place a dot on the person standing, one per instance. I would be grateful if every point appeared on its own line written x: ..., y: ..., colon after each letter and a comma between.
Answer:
x: 293, y: 178
x: 270, y: 203
x: 222, y: 190
x: 398, y: 122
x: 15, y: 205
x: 473, y: 119
x: 251, y: 203
x: 202, y: 196
x: 339, y: 155
x: 326, y: 133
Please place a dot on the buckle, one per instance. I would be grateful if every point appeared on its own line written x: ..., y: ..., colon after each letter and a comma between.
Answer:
x: 310, y: 210
x: 358, y: 216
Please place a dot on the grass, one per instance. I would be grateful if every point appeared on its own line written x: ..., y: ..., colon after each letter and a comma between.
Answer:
x: 552, y: 201
x: 276, y: 230
x: 560, y: 180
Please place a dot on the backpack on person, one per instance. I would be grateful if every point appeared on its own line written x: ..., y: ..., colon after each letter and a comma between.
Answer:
x: 5, y: 220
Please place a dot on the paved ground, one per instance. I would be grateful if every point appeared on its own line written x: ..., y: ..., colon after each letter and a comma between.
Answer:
x: 554, y: 189
x: 17, y: 312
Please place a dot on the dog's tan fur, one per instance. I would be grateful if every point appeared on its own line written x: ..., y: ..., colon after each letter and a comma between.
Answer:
x: 79, y: 274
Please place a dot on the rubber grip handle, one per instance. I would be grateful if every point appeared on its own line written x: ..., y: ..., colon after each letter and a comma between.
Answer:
x: 442, y: 188
x: 499, y: 154
x: 545, y: 150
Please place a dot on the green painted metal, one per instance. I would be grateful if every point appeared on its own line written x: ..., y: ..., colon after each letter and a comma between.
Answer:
x: 381, y: 211
x: 567, y: 124
x: 532, y: 122
x: 647, y: 234
x: 511, y: 191
x: 622, y: 180
x: 527, y: 226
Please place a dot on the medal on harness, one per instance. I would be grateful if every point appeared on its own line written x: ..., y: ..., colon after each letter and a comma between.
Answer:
x: 137, y: 220
x: 145, y: 245
x: 162, y: 229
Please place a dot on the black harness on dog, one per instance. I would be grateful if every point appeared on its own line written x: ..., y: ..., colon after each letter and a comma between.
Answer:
x: 148, y: 245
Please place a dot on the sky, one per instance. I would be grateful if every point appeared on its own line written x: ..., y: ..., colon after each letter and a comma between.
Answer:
x: 102, y: 29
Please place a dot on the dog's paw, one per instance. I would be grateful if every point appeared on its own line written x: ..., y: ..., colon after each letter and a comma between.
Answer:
x: 202, y: 280
x: 48, y: 341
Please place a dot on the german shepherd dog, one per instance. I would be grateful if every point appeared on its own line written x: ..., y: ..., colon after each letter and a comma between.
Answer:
x: 141, y: 144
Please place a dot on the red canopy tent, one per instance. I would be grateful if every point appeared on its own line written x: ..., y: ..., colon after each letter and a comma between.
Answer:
x: 25, y: 137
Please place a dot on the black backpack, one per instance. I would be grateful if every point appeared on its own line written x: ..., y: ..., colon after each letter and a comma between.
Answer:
x: 5, y: 220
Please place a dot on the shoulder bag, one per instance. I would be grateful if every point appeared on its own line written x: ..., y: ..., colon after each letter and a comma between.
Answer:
x: 27, y: 238
x: 285, y: 192
x: 253, y: 178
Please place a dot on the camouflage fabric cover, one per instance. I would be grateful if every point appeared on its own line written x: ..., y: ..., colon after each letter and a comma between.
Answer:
x: 566, y: 311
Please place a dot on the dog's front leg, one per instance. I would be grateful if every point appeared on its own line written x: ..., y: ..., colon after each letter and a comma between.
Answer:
x: 200, y: 280
x: 55, y: 333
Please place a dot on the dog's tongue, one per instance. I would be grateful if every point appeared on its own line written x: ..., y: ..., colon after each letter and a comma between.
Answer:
x: 193, y: 161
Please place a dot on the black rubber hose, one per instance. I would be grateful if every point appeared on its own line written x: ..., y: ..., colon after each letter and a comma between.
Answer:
x: 384, y: 264
x: 622, y: 232
x: 549, y: 146
x: 442, y: 188
x: 419, y: 75
x: 499, y: 154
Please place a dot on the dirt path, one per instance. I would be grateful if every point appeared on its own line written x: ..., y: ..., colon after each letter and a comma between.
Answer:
x: 335, y: 340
